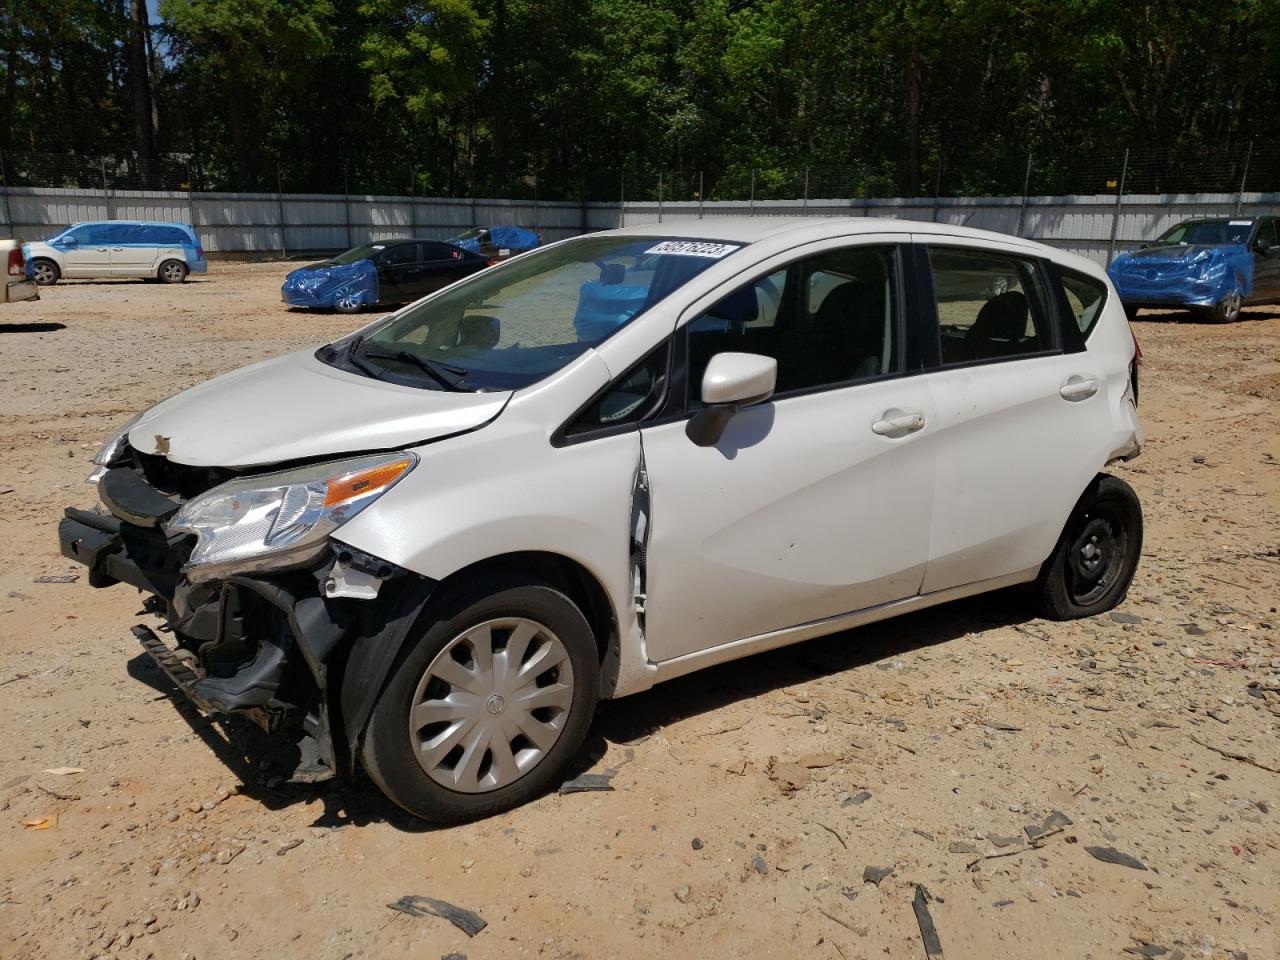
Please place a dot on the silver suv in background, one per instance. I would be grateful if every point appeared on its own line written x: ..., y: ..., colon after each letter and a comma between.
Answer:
x: 431, y: 547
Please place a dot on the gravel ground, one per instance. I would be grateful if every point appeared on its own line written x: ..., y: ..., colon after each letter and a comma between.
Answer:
x: 986, y: 757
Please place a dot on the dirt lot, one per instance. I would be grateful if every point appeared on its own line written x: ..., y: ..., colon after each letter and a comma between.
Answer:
x: 935, y: 740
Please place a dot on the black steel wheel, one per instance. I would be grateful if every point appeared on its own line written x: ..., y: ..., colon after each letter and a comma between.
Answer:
x: 1091, y: 567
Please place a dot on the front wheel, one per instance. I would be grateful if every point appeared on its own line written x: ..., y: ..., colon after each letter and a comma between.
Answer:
x: 172, y: 271
x: 488, y: 705
x: 1091, y: 567
x: 45, y: 272
x: 1228, y: 310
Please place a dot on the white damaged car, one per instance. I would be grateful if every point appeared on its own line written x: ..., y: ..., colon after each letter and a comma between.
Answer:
x: 430, y: 548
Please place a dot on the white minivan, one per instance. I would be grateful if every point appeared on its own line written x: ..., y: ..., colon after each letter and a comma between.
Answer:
x: 429, y: 548
x: 150, y: 250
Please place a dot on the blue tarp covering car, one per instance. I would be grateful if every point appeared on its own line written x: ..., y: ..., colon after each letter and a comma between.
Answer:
x: 497, y: 242
x: 333, y: 285
x: 1211, y: 266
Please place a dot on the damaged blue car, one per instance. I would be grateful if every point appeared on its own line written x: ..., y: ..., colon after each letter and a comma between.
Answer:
x: 378, y: 274
x: 1214, y: 267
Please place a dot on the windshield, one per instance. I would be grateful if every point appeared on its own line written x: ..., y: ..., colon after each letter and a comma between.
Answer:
x: 1208, y: 232
x: 472, y: 234
x: 356, y: 254
x: 509, y: 327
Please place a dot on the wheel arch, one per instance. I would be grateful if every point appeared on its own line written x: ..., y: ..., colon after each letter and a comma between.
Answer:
x: 370, y: 659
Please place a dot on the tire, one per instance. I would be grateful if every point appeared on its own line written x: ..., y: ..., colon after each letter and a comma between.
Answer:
x: 45, y: 272
x: 1228, y: 310
x: 1094, y: 561
x: 348, y: 303
x: 470, y: 781
x: 172, y: 271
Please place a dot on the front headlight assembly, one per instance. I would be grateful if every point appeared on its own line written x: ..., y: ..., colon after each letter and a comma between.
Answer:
x: 281, y: 520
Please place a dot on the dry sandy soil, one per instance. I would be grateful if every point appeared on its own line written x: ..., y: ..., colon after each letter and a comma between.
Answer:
x: 937, y: 739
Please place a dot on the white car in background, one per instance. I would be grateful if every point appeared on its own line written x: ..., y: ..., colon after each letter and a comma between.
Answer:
x: 429, y: 548
x: 16, y: 286
x: 146, y: 249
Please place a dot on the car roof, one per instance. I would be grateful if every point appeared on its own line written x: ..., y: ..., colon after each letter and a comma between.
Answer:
x: 753, y: 229
x: 137, y: 223
x: 1222, y: 219
x: 797, y: 230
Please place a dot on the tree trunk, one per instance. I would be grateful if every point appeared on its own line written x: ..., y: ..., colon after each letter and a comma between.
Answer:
x: 913, y: 127
x: 140, y: 79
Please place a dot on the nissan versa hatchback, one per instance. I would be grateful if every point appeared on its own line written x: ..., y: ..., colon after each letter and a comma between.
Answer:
x: 429, y: 549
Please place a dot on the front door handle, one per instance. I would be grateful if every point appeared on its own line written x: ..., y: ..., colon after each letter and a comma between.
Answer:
x: 1078, y: 388
x: 897, y: 423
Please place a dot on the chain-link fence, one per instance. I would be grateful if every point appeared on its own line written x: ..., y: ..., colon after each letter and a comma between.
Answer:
x: 1252, y: 167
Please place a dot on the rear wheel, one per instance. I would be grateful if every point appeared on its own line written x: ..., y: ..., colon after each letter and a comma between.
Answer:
x: 487, y: 707
x: 45, y: 272
x: 172, y: 271
x: 1095, y: 559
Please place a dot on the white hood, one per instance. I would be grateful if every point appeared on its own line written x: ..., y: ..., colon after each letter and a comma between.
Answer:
x: 295, y: 407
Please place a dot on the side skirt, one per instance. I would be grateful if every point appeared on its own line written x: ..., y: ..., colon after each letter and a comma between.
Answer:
x: 690, y: 662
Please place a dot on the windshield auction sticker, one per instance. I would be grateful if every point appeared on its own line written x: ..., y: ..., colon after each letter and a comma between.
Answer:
x: 693, y: 248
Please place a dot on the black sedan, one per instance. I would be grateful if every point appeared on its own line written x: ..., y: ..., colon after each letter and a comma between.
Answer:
x: 381, y: 273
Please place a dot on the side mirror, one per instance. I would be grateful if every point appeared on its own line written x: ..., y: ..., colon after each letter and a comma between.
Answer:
x: 732, y: 381
x: 69, y: 242
x: 1262, y: 246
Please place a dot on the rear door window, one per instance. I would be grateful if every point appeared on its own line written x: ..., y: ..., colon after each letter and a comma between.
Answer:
x: 1085, y: 299
x: 991, y: 306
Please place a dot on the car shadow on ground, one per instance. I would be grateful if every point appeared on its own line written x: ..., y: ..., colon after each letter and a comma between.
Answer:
x: 47, y: 327
x: 1203, y: 319
x: 258, y: 760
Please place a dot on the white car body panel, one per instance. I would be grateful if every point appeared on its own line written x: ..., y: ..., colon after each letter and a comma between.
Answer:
x: 799, y: 522
x: 295, y: 407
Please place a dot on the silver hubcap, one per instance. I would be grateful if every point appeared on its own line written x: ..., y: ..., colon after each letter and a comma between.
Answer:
x: 491, y: 705
x: 43, y: 273
x: 172, y: 271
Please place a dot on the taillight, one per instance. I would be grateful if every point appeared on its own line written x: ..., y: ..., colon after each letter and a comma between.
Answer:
x: 17, y: 266
x: 199, y: 252
x: 492, y: 261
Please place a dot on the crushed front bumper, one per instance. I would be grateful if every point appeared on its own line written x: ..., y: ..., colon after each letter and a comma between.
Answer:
x: 273, y: 648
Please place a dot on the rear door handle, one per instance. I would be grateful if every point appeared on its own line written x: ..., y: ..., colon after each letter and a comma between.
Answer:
x: 1078, y: 388
x: 897, y: 423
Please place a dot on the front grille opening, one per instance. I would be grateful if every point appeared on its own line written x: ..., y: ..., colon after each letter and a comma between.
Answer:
x: 176, y: 478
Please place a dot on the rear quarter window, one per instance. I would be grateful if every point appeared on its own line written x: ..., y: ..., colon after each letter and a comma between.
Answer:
x: 1085, y: 299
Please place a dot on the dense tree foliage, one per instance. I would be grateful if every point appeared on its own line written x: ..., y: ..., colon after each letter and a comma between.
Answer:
x: 574, y: 97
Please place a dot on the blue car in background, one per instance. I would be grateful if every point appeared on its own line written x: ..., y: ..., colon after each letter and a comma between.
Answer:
x: 372, y: 274
x: 1214, y: 267
x: 496, y: 243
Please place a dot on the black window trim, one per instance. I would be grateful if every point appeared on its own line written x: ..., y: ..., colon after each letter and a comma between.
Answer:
x: 1074, y: 340
x: 562, y: 438
x: 930, y: 307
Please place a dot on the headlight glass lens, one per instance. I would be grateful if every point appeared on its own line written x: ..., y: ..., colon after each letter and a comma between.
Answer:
x: 282, y: 519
